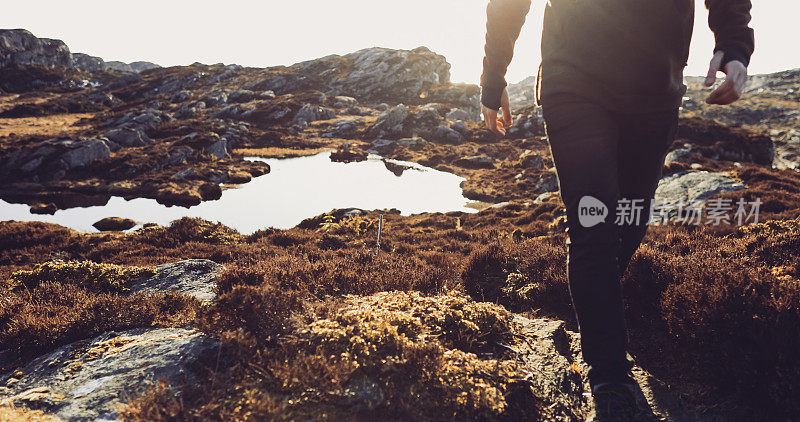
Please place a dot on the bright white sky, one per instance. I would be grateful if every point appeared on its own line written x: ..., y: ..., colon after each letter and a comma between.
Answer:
x: 266, y: 33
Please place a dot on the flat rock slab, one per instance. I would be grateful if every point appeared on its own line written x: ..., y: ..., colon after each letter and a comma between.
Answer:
x: 193, y: 277
x: 87, y: 380
x: 692, y: 187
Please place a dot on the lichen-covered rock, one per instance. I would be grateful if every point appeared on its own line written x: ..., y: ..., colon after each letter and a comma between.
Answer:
x: 193, y: 277
x: 87, y: 380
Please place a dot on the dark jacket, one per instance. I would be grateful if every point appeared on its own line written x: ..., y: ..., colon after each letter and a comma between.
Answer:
x: 627, y: 55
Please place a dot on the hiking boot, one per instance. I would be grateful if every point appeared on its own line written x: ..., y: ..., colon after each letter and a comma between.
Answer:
x: 614, y: 402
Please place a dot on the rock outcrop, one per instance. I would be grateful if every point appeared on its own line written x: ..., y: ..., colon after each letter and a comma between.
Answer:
x: 193, y: 277
x: 52, y: 159
x: 87, y: 62
x: 20, y: 47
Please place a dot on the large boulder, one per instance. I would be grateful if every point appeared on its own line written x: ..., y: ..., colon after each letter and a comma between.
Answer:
x: 88, y: 380
x: 128, y: 137
x: 693, y: 188
x: 20, y: 47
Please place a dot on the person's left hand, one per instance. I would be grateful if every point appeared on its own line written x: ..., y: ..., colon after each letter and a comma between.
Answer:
x: 490, y: 116
x: 733, y: 86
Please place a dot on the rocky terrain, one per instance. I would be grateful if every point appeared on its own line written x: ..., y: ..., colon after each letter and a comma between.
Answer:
x: 452, y: 316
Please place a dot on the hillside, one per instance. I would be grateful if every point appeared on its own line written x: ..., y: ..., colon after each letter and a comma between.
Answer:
x: 451, y: 316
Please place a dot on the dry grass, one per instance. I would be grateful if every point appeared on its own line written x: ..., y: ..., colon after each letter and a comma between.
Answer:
x: 49, y: 126
x: 277, y: 152
x: 18, y: 414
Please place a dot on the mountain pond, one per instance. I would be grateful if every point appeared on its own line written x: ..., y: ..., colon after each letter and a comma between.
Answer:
x: 295, y: 189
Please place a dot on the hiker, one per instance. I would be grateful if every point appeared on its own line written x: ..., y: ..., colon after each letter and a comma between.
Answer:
x: 610, y: 85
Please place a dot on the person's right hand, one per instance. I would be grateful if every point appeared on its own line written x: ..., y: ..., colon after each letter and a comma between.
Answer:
x: 735, y: 80
x: 494, y: 123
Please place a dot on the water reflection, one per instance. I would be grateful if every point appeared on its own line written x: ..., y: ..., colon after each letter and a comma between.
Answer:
x: 296, y: 188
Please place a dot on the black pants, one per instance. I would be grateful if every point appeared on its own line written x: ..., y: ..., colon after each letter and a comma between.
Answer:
x: 610, y: 157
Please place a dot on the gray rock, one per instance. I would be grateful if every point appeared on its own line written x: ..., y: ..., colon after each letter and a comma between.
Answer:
x: 378, y: 73
x: 219, y: 149
x: 215, y: 99
x: 128, y: 137
x: 458, y: 114
x: 146, y: 120
x: 446, y: 135
x: 460, y: 127
x: 119, y: 66
x: 87, y: 62
x: 184, y: 174
x: 20, y: 47
x: 682, y: 155
x: 547, y: 183
x: 311, y: 113
x: 528, y: 124
x: 342, y: 101
x: 180, y: 97
x: 344, y: 127
x: 193, y: 277
x: 141, y: 66
x: 692, y: 188
x: 531, y: 160
x: 85, y: 152
x: 476, y: 162
x: 242, y: 96
x: 522, y: 94
x: 87, y: 380
x: 390, y: 120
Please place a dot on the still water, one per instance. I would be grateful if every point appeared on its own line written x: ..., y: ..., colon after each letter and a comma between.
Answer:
x: 295, y: 189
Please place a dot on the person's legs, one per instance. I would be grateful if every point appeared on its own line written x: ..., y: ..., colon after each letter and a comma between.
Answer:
x: 584, y: 139
x: 644, y: 141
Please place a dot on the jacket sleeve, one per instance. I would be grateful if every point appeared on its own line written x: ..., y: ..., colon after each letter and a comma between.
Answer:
x: 729, y: 20
x: 503, y: 25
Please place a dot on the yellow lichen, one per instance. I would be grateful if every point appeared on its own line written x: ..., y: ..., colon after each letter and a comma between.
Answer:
x: 87, y: 274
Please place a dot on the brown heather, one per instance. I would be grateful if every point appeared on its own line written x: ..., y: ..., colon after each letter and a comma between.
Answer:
x: 306, y: 314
